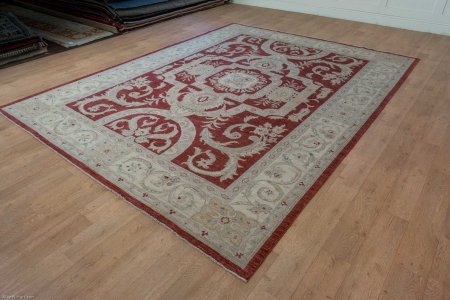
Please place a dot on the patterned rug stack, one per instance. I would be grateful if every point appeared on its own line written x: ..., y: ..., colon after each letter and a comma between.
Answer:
x: 116, y: 15
x: 57, y: 30
x: 17, y: 41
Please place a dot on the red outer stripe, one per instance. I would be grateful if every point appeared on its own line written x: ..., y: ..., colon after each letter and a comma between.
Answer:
x: 270, y: 243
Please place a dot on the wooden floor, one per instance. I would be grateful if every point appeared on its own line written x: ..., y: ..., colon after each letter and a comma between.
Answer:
x: 378, y: 229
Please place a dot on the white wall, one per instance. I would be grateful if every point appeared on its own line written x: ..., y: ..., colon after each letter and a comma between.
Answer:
x: 421, y: 15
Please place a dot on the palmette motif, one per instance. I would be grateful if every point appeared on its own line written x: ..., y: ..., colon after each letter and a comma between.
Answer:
x: 222, y: 134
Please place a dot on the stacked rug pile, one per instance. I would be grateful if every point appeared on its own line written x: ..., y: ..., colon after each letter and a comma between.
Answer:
x: 57, y: 30
x: 17, y: 41
x: 119, y: 15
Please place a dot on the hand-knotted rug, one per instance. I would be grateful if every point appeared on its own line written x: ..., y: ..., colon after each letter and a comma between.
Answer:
x: 223, y: 138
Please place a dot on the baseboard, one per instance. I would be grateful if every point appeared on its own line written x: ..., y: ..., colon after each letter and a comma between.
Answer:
x: 353, y: 15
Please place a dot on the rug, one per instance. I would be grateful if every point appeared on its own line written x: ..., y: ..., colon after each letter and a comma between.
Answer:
x: 118, y: 16
x: 17, y: 41
x: 60, y: 31
x: 223, y: 138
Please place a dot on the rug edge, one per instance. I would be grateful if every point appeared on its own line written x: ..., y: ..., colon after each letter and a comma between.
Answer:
x: 243, y: 273
x: 212, y: 254
x: 287, y: 222
x: 325, y: 40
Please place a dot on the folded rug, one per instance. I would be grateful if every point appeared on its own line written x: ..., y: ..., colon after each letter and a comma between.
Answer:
x: 97, y: 17
x: 131, y: 23
x: 17, y: 41
x: 119, y: 15
x: 134, y: 3
x: 60, y: 31
x: 156, y: 8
